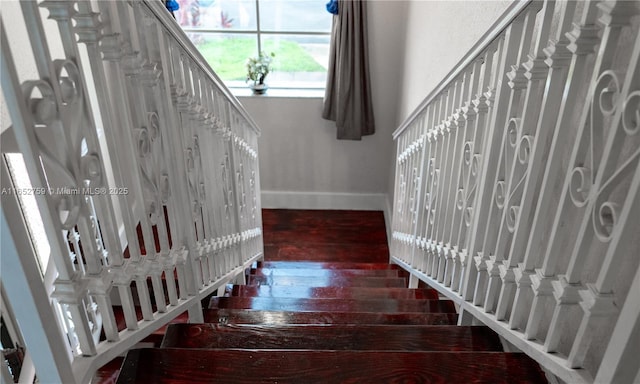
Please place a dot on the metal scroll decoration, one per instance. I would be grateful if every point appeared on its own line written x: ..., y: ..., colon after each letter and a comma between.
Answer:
x: 227, y: 190
x: 76, y: 167
x: 465, y: 195
x: 154, y: 179
x: 584, y: 188
x: 430, y: 194
x: 520, y: 146
x: 402, y: 194
x: 194, y: 177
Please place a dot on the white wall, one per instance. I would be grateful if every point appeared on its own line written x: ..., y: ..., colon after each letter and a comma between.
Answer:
x: 438, y: 34
x: 303, y: 165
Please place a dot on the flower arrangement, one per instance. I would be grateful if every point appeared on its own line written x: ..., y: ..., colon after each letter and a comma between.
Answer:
x: 258, y: 68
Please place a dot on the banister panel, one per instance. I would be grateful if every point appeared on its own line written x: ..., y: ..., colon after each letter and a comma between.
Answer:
x: 149, y: 164
x: 525, y: 182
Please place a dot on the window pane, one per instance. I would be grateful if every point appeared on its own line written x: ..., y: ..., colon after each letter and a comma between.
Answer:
x: 299, y: 59
x: 217, y: 14
x: 226, y: 53
x: 37, y: 233
x: 294, y: 16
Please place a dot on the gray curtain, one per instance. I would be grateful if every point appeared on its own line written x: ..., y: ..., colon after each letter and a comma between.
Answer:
x: 347, y: 98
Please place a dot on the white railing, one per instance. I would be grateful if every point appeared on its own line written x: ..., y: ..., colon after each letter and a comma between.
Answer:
x: 517, y: 184
x: 140, y: 172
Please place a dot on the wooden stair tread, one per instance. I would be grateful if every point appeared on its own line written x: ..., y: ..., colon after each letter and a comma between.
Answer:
x: 108, y: 373
x: 243, y: 316
x: 339, y: 305
x: 308, y: 281
x: 324, y: 265
x: 332, y: 337
x: 330, y: 292
x: 324, y: 273
x: 362, y: 253
x: 174, y: 365
x: 326, y: 235
x: 284, y: 219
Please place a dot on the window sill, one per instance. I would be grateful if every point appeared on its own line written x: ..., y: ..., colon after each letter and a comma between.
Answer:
x: 279, y: 92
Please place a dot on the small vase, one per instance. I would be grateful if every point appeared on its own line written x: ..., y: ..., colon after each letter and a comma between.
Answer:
x: 259, y: 89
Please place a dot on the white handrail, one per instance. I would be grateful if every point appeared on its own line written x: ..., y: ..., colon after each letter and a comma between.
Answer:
x: 517, y: 185
x: 176, y: 31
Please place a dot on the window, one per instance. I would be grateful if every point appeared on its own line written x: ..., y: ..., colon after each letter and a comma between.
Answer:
x: 227, y: 32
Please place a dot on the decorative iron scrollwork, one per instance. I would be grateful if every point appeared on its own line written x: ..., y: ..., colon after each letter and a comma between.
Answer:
x: 607, y: 92
x: 524, y: 149
x: 631, y: 114
x: 513, y: 131
x: 580, y: 185
x: 501, y: 193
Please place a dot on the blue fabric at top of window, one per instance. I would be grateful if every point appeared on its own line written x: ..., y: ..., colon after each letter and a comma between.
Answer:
x: 172, y: 5
x: 332, y: 7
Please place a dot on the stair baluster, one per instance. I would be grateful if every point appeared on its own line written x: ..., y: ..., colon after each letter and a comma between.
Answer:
x: 147, y: 163
x: 548, y: 238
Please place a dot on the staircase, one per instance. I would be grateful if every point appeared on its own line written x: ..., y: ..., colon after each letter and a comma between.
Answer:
x: 131, y: 193
x: 332, y: 321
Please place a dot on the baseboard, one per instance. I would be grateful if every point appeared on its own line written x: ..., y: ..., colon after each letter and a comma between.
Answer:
x: 325, y: 200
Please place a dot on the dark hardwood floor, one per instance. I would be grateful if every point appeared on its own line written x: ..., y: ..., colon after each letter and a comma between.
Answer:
x: 325, y: 306
x: 329, y: 292
x: 325, y: 236
x: 336, y: 337
x: 243, y: 316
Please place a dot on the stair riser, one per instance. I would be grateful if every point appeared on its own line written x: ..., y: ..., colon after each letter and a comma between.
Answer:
x: 330, y: 292
x: 338, y: 305
x: 240, y: 316
x: 306, y: 281
x: 334, y: 337
x: 362, y: 253
x: 324, y: 273
x: 321, y: 265
x: 236, y: 366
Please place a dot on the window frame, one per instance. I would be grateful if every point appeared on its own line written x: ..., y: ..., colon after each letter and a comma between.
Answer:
x: 258, y: 32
